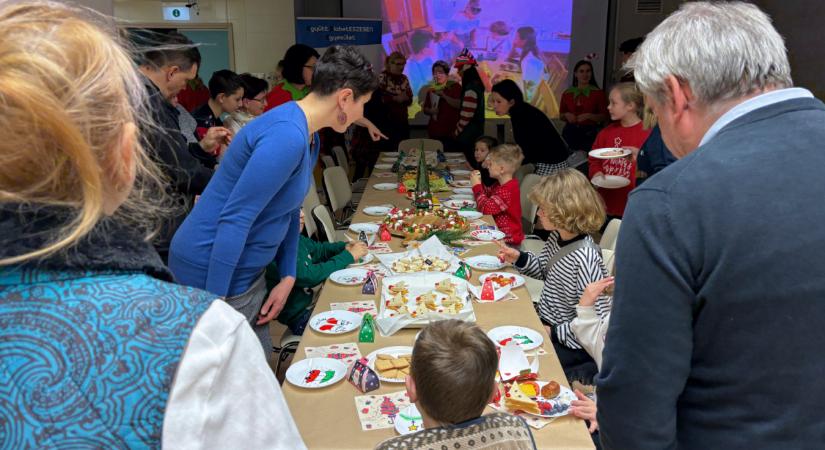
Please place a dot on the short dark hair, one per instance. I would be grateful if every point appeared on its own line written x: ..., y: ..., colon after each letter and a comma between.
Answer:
x: 343, y: 67
x: 444, y: 65
x: 630, y: 45
x: 167, y: 49
x: 585, y: 62
x: 471, y: 76
x: 252, y: 86
x: 509, y: 90
x: 444, y: 353
x: 224, y: 82
x: 294, y: 61
x: 489, y: 141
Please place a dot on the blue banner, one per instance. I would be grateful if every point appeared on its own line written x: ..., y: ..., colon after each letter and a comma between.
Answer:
x: 321, y: 33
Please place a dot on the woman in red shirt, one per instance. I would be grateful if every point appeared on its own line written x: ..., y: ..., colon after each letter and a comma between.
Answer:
x: 583, y: 107
x: 627, y: 131
x: 441, y: 99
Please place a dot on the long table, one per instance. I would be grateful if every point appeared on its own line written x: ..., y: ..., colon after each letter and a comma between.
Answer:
x: 327, y: 417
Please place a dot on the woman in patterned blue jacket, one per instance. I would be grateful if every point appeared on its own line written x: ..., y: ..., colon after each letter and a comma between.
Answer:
x: 98, y: 349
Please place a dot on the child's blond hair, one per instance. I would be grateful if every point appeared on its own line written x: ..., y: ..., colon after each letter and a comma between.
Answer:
x: 570, y: 202
x: 507, y: 154
x: 454, y: 368
x: 631, y: 94
x: 68, y: 90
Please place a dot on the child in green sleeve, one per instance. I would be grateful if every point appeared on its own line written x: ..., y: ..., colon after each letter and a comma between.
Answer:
x: 316, y: 261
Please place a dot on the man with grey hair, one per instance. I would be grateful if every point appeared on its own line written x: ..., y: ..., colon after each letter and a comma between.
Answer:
x: 719, y: 310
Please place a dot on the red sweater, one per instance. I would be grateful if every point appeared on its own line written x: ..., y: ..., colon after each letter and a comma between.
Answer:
x: 504, y: 204
x: 615, y: 135
x: 595, y: 103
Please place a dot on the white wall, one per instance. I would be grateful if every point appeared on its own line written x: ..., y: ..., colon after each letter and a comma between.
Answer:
x: 262, y: 29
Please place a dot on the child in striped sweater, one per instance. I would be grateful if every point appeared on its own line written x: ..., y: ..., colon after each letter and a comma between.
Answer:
x: 571, y: 210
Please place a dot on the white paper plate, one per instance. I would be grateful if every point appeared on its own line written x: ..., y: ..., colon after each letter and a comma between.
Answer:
x: 349, y: 277
x: 385, y: 186
x: 461, y: 183
x: 458, y: 204
x: 335, y: 322
x: 409, y: 420
x: 610, y: 181
x: 366, y: 227
x: 460, y: 172
x: 484, y: 262
x: 488, y: 235
x: 463, y: 191
x: 394, y: 351
x: 390, y: 153
x: 377, y: 210
x: 383, y: 166
x: 526, y: 338
x: 472, y: 215
x: 388, y: 160
x: 462, y: 197
x: 456, y: 160
x: 609, y: 153
x: 331, y: 370
x: 365, y: 260
x: 561, y: 403
x: 518, y: 280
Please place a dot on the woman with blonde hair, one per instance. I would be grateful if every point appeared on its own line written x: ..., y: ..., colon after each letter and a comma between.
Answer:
x: 572, y: 211
x: 99, y: 348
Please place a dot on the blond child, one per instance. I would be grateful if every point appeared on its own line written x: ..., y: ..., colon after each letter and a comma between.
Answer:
x: 449, y: 401
x: 502, y: 200
x: 571, y: 210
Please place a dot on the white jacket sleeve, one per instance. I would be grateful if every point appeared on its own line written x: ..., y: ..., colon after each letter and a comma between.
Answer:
x: 225, y: 394
x: 590, y: 331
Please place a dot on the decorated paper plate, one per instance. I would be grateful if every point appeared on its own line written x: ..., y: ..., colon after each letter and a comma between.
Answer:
x: 459, y: 204
x: 393, y: 371
x: 461, y: 183
x: 526, y: 338
x: 390, y: 153
x: 513, y: 280
x: 377, y: 210
x: 609, y: 153
x: 349, y: 277
x: 409, y: 420
x: 462, y: 197
x: 335, y: 322
x: 460, y: 172
x: 456, y: 160
x: 385, y: 175
x: 366, y: 227
x: 385, y: 186
x: 610, y: 181
x: 388, y: 160
x: 365, y: 260
x: 488, y: 235
x: 484, y: 262
x: 463, y: 191
x: 383, y: 166
x: 549, y: 407
x: 472, y: 215
x: 314, y: 373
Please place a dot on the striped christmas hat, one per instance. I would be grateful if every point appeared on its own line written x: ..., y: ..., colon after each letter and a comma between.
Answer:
x: 464, y: 58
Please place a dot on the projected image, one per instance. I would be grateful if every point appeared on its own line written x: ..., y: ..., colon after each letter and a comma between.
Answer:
x: 523, y: 40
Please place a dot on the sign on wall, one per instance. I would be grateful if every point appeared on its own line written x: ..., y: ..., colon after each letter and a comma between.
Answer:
x: 322, y: 32
x: 180, y: 13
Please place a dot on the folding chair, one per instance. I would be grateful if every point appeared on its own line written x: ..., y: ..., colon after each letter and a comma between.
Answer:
x: 339, y: 193
x: 322, y: 216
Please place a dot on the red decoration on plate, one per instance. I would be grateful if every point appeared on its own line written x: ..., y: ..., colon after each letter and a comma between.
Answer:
x: 325, y: 327
x: 312, y: 375
x: 332, y: 320
x: 487, y: 292
x: 504, y: 342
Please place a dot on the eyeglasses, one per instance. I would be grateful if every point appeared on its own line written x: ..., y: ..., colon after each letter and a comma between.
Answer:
x: 259, y: 100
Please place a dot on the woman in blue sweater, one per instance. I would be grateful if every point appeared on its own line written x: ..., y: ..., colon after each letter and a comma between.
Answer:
x: 248, y: 214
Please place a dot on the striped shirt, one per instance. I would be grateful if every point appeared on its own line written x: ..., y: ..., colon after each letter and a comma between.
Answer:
x: 469, y: 104
x: 564, y: 283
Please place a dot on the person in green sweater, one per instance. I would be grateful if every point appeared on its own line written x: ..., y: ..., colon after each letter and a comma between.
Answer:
x: 316, y: 261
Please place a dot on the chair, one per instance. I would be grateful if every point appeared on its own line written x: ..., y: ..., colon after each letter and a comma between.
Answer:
x: 328, y: 161
x: 339, y: 192
x: 324, y: 218
x: 609, y: 258
x: 287, y: 346
x: 341, y: 156
x: 523, y: 171
x: 528, y: 208
x: 534, y: 288
x: 430, y: 145
x: 610, y: 235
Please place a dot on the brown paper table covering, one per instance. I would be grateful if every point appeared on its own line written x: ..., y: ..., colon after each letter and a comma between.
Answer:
x: 327, y: 419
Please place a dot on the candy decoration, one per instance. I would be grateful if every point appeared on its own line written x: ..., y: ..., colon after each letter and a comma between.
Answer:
x: 367, y: 333
x: 362, y: 236
x: 401, y: 188
x: 328, y: 374
x: 369, y: 284
x: 385, y: 233
x: 464, y: 271
x: 487, y: 292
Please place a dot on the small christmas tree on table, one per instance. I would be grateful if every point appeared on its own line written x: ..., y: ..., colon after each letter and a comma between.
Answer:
x: 423, y: 196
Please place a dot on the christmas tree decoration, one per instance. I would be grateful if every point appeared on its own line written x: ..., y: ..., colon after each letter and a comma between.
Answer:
x: 487, y: 292
x: 369, y: 285
x: 423, y: 198
x: 464, y: 271
x: 367, y: 333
